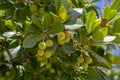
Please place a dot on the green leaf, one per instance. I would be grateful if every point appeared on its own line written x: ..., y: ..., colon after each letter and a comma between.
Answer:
x: 55, y: 18
x: 21, y: 18
x: 117, y: 60
x: 30, y: 41
x: 6, y: 5
x: 28, y: 76
x: 100, y: 34
x: 67, y: 67
x: 46, y: 20
x: 78, y: 24
x: 100, y: 61
x: 109, y: 57
x: 91, y: 17
x: 63, y: 13
x: 68, y: 47
x: 115, y: 4
x: 117, y: 39
x: 116, y: 28
x: 56, y: 27
x: 41, y: 77
x: 112, y: 14
x: 105, y: 12
x: 28, y: 68
x: 36, y: 21
x: 93, y: 74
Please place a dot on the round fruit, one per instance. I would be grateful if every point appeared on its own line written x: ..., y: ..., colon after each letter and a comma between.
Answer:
x: 49, y: 43
x: 40, y: 58
x: 52, y: 70
x: 48, y: 53
x: 88, y: 60
x: 67, y: 39
x: 85, y: 65
x: 61, y: 36
x: 61, y: 42
x: 44, y: 62
x: 33, y: 8
x: 67, y: 33
x: 48, y: 66
x: 40, y: 52
x: 42, y: 45
x: 80, y: 59
x: 7, y: 73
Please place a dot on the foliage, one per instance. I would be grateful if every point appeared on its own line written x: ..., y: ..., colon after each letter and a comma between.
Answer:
x: 49, y: 40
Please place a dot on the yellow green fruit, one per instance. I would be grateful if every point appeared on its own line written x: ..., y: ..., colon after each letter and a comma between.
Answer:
x: 42, y: 45
x: 48, y: 66
x: 61, y: 36
x: 49, y: 43
x: 48, y: 54
x: 40, y: 58
x: 40, y: 52
x: 33, y: 8
x: 85, y: 65
x: 7, y: 73
x: 80, y: 59
x: 61, y: 42
x: 67, y: 39
x: 52, y: 70
x: 44, y: 62
x: 88, y: 60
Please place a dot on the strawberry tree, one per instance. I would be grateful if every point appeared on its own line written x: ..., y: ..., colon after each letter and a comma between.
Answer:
x: 57, y: 39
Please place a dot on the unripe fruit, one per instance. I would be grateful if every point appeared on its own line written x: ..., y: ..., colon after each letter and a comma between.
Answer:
x: 67, y: 39
x: 48, y: 66
x: 80, y: 59
x: 44, y: 62
x: 42, y: 45
x: 88, y: 60
x: 52, y: 70
x: 49, y: 43
x: 40, y: 52
x: 48, y: 54
x: 33, y: 8
x: 7, y: 73
x: 40, y: 58
x: 85, y: 65
x: 61, y: 42
x: 61, y: 36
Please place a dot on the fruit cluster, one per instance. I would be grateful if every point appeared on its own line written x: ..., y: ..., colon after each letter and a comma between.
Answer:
x: 84, y: 61
x: 63, y: 37
x: 44, y: 54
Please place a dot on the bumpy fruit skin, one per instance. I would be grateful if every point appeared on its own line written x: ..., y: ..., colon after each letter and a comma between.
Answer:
x: 49, y: 43
x: 85, y: 65
x: 33, y: 8
x: 67, y: 39
x: 42, y: 45
x: 80, y: 59
x: 67, y: 33
x: 61, y: 36
x: 48, y: 66
x: 40, y: 52
x: 48, y: 54
x: 88, y: 60
x: 40, y: 58
x: 61, y: 42
x: 52, y: 70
